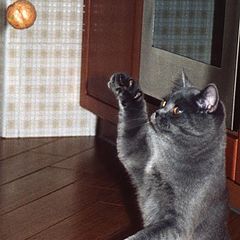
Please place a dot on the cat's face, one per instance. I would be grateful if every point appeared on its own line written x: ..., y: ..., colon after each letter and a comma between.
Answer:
x: 189, y: 111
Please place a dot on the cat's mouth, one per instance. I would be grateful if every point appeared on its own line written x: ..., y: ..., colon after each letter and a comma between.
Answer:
x: 153, y: 122
x: 159, y: 123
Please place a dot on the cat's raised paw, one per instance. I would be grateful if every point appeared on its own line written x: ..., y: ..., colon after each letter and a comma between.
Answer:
x: 124, y: 88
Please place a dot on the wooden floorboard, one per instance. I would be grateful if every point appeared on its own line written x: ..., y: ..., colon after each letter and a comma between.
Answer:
x: 11, y: 147
x: 67, y: 146
x: 24, y: 164
x: 112, y: 218
x: 33, y: 186
x: 68, y: 189
x: 49, y: 210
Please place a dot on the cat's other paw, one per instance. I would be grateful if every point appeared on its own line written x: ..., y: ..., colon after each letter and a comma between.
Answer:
x: 125, y: 88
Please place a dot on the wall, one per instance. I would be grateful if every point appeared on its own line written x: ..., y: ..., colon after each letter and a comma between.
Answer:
x: 41, y: 82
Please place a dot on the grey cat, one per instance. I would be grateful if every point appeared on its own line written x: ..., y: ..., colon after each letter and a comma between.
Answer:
x: 176, y: 160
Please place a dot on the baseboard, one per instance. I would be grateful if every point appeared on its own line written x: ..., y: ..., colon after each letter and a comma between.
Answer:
x: 107, y: 131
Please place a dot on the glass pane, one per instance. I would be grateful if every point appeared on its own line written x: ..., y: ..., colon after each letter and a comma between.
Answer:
x: 193, y: 29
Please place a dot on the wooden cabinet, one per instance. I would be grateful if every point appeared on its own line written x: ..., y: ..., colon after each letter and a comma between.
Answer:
x: 111, y: 43
x: 237, y: 176
x: 231, y: 155
x: 233, y: 168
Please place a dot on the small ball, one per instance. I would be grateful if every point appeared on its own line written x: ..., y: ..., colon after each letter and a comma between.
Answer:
x: 21, y: 14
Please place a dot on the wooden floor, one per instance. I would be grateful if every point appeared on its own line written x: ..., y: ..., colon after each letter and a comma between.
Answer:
x: 67, y: 188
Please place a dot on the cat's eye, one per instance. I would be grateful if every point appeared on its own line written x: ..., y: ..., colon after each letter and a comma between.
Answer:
x: 163, y: 103
x: 176, y: 110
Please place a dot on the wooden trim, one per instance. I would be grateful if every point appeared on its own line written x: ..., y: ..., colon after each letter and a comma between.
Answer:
x: 231, y: 156
x: 102, y: 110
x: 85, y: 52
x: 238, y: 163
x: 234, y: 194
x: 137, y: 39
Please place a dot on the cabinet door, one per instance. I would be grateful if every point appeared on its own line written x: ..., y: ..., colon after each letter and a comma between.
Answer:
x: 111, y: 43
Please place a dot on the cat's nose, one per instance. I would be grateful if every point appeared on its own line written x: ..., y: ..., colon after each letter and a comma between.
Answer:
x: 156, y: 114
x: 160, y: 113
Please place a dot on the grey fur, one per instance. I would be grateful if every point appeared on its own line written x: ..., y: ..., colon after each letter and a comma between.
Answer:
x: 177, y: 163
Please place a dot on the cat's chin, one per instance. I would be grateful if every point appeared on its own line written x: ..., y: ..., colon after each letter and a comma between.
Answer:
x: 153, y: 123
x: 153, y: 119
x: 159, y: 129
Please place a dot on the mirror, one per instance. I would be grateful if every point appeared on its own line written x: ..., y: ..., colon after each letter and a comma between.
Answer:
x: 192, y: 29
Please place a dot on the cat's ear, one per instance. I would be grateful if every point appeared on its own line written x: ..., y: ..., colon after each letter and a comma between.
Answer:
x: 181, y: 82
x: 208, y: 98
x: 185, y: 82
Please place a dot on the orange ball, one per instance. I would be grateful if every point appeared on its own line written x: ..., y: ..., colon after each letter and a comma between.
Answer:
x: 21, y: 14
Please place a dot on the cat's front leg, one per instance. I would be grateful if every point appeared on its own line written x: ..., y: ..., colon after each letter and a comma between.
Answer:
x: 156, y: 233
x: 132, y: 107
x: 126, y: 90
x: 132, y: 143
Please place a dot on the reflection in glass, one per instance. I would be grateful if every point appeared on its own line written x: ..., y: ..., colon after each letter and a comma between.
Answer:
x: 189, y: 28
